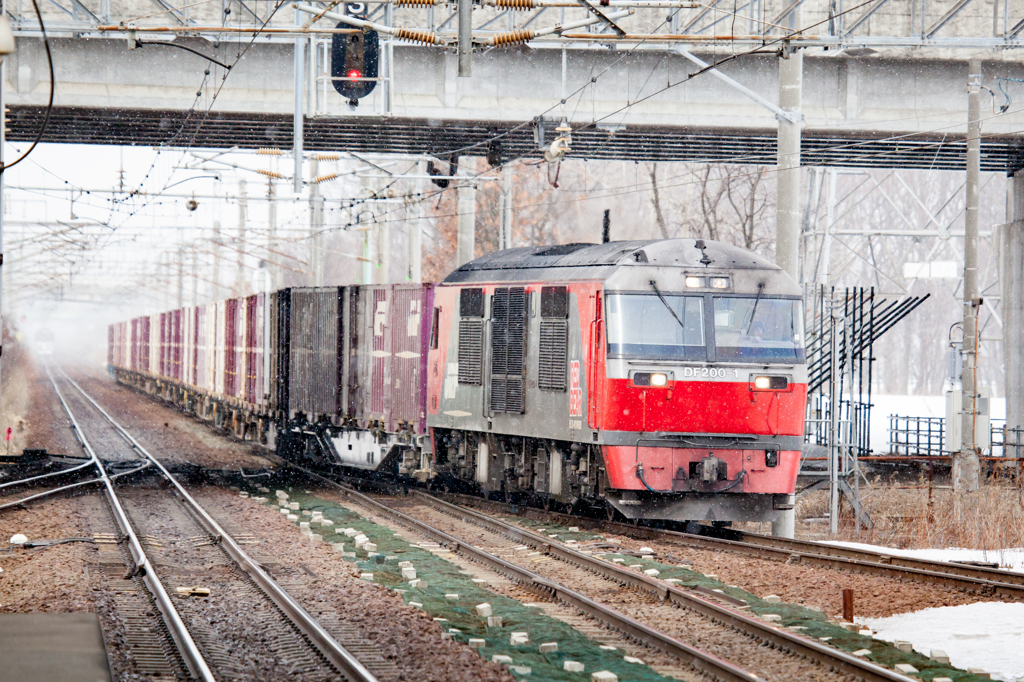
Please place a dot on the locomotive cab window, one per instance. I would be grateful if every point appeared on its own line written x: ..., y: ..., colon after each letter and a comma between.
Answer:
x: 759, y: 329
x: 649, y: 326
x: 434, y: 328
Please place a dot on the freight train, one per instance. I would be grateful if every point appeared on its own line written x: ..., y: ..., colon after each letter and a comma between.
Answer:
x: 656, y: 379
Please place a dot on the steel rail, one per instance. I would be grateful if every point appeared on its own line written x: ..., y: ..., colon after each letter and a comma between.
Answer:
x: 701, y: 661
x: 332, y: 650
x: 70, y: 486
x: 190, y: 653
x: 981, y: 579
x: 801, y: 646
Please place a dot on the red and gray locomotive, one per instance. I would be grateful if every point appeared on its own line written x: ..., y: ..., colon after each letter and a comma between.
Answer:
x: 659, y: 379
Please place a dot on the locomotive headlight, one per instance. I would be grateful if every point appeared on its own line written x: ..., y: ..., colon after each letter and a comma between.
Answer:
x: 659, y: 380
x: 694, y: 282
x: 655, y: 379
x: 771, y: 383
x: 719, y: 282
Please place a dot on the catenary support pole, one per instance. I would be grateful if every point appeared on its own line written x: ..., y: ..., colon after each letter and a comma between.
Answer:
x: 1012, y: 305
x: 506, y: 207
x: 181, y: 277
x: 241, y: 244
x: 787, y: 221
x: 299, y: 55
x: 316, y: 227
x: 465, y: 38
x: 272, y: 232
x: 466, y: 236
x: 414, y: 237
x: 966, y: 466
x: 215, y: 277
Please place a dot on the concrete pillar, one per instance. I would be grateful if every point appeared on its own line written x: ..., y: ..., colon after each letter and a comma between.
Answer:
x: 465, y: 47
x: 466, y: 246
x: 297, y: 114
x: 272, y: 234
x: 1012, y: 306
x: 787, y: 219
x: 966, y: 466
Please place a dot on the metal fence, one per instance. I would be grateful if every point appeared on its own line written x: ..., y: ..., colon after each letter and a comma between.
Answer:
x: 925, y: 437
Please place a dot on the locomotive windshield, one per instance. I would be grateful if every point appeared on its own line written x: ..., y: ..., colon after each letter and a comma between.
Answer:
x: 642, y: 325
x: 759, y: 329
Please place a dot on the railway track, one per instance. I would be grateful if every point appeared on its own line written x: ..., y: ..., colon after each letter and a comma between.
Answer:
x: 1005, y: 584
x: 190, y: 543
x: 801, y: 658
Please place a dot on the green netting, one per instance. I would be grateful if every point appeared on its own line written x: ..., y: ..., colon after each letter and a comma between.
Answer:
x: 443, y: 578
x: 814, y: 623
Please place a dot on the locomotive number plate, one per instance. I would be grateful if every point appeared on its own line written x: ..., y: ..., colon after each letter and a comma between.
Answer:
x: 710, y: 373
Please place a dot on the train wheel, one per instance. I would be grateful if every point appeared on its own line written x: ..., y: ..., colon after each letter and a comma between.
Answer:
x: 610, y: 511
x: 546, y: 503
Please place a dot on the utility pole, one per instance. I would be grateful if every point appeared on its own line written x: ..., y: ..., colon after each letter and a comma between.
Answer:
x: 240, y: 247
x: 966, y: 466
x: 466, y: 231
x: 181, y: 277
x: 465, y: 48
x: 787, y: 220
x: 195, y: 276
x: 300, y: 77
x: 1012, y: 304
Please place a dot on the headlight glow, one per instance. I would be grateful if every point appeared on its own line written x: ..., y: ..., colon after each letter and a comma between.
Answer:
x: 770, y: 383
x: 659, y: 380
x: 719, y: 282
x: 694, y: 282
x: 762, y: 383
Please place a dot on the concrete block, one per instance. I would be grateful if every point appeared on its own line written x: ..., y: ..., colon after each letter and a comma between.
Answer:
x: 572, y: 542
x: 414, y: 583
x: 552, y: 535
x: 605, y: 647
x: 636, y: 566
x: 350, y: 532
x: 446, y: 635
x: 479, y: 581
x: 494, y: 621
x: 646, y: 550
x: 408, y: 573
x: 865, y: 633
x: 519, y: 638
x: 306, y: 512
x: 360, y: 539
x: 648, y: 557
x: 284, y: 510
x: 416, y: 604
x: 451, y: 596
x: 773, y: 599
x: 440, y: 620
x: 572, y: 667
x: 618, y: 561
x: 294, y: 506
x: 304, y: 525
x: 574, y: 529
x: 455, y: 630
x: 317, y: 514
x: 604, y: 676
x: 483, y: 610
x: 326, y: 522
x: 243, y: 494
x: 903, y: 646
x: 653, y: 572
x: 712, y: 576
x: 862, y: 652
x: 852, y: 627
x: 632, y: 659
x: 421, y: 584
x: 475, y: 643
x: 405, y: 564
x: 939, y: 656
x: 980, y: 673
x: 366, y: 576
x: 306, y: 531
x: 673, y: 580
x: 771, y: 617
x: 281, y: 494
x: 293, y: 517
x: 338, y: 546
x: 369, y: 547
x: 942, y: 679
x: 315, y: 537
x: 548, y: 647
x: 906, y: 669
x: 520, y: 669
x: 499, y: 658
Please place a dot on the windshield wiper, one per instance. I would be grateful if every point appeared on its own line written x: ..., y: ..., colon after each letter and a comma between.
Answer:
x: 655, y: 286
x: 760, y: 288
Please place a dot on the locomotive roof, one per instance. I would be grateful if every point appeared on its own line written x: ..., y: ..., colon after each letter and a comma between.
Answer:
x: 598, y: 261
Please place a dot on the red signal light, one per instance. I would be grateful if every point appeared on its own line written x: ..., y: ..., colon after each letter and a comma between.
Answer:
x: 354, y: 73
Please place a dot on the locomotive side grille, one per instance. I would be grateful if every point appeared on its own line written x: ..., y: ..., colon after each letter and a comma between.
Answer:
x: 551, y: 367
x: 471, y: 334
x: 508, y: 349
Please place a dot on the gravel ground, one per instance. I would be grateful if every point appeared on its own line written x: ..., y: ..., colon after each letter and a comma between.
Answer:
x: 46, y: 423
x: 179, y: 438
x: 404, y: 634
x: 874, y: 596
x: 683, y: 624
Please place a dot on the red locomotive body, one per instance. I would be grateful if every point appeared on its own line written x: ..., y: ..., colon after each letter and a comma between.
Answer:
x: 663, y: 379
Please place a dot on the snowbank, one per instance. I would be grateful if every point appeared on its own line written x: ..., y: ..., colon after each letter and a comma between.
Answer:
x: 986, y: 635
x: 1011, y: 559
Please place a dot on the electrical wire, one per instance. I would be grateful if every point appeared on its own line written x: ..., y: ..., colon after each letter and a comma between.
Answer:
x: 49, y: 104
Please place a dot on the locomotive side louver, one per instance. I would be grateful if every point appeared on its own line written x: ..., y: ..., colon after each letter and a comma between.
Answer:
x: 508, y: 349
x: 471, y: 335
x: 552, y: 363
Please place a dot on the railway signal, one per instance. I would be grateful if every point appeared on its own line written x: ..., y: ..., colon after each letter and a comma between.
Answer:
x: 354, y: 56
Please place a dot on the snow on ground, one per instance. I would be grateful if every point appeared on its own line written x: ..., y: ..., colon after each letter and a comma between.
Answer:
x: 986, y: 635
x: 1011, y: 559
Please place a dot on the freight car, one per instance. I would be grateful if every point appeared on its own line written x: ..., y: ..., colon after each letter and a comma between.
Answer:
x: 658, y: 379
